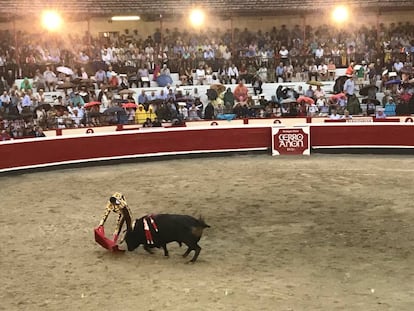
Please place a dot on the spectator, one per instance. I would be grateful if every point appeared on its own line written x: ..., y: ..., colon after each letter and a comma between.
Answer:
x: 257, y: 85
x: 350, y: 69
x: 349, y: 86
x: 280, y: 73
x: 380, y: 114
x: 334, y: 115
x: 209, y: 112
x: 165, y: 71
x: 25, y: 85
x: 331, y: 70
x: 100, y: 77
x: 346, y: 115
x: 5, y: 101
x: 397, y: 66
x: 193, y: 113
x: 228, y: 99
x: 284, y: 55
x: 50, y: 79
x: 182, y: 111
x: 147, y: 123
x: 143, y: 76
x: 143, y: 99
x: 156, y: 123
x: 200, y: 75
x: 233, y: 73
x: 39, y: 81
x: 241, y: 92
x: 140, y: 115
x: 390, y: 106
x: 309, y: 92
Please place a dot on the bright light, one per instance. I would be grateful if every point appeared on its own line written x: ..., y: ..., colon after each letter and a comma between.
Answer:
x: 125, y: 18
x: 51, y: 20
x: 196, y: 17
x: 340, y: 14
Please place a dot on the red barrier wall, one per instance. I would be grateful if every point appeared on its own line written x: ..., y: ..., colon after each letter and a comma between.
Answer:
x: 48, y: 151
x: 63, y: 149
x: 373, y: 135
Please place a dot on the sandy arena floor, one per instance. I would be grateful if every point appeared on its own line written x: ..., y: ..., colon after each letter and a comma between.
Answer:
x: 326, y: 232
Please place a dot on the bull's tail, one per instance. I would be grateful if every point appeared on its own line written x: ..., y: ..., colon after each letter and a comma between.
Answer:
x: 202, y: 222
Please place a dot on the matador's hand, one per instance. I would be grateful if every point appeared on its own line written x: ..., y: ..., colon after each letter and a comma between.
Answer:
x: 115, y: 238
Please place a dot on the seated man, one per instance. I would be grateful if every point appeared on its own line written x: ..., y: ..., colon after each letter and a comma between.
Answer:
x: 241, y: 92
x: 331, y: 71
x: 200, y: 75
x: 143, y: 77
x: 323, y: 71
x: 334, y: 115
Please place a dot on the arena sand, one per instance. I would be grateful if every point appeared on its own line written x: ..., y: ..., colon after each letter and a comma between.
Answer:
x: 320, y: 233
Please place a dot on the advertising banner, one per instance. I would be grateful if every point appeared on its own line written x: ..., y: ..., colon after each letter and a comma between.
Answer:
x: 291, y: 141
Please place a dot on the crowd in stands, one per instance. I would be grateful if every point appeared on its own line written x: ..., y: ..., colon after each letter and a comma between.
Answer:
x: 104, y: 66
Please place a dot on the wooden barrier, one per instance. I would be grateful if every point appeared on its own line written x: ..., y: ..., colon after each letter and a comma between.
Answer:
x: 65, y: 149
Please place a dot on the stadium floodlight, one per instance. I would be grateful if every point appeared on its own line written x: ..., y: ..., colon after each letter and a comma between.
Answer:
x: 51, y: 20
x: 125, y: 18
x: 196, y: 17
x: 340, y: 14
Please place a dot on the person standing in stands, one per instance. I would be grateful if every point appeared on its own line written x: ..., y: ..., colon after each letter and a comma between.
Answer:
x: 350, y: 70
x: 349, y: 86
x: 352, y: 101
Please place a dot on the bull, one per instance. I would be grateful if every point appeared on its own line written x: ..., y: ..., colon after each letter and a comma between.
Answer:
x: 161, y: 229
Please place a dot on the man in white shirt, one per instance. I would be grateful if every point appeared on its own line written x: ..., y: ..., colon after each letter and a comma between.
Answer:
x: 233, y: 73
x: 318, y: 55
x: 50, y: 79
x: 226, y: 55
x: 200, y: 75
x: 84, y: 74
x: 323, y: 71
x: 398, y: 65
x: 79, y: 115
x: 143, y: 76
x: 284, y: 55
x: 5, y: 100
x: 106, y: 57
x: 165, y: 70
x: 334, y: 115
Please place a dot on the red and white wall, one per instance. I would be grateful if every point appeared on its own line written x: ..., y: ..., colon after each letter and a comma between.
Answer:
x: 66, y: 149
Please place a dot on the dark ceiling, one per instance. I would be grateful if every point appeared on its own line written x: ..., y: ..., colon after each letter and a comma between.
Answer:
x: 178, y: 7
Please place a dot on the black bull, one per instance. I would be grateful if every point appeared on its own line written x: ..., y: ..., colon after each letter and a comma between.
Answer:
x: 164, y: 229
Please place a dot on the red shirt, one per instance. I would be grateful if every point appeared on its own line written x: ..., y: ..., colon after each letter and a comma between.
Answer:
x: 349, y: 71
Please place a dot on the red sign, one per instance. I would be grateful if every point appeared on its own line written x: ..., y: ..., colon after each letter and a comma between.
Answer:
x: 291, y: 141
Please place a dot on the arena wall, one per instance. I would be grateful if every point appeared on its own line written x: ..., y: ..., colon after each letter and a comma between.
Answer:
x: 50, y: 151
